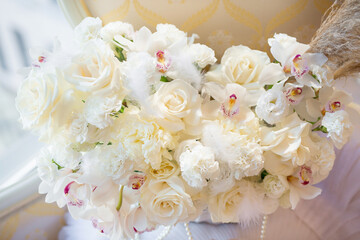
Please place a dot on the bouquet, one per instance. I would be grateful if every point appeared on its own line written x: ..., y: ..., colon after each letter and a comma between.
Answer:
x: 146, y: 129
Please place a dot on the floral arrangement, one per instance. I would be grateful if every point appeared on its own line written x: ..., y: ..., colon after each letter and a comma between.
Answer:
x: 145, y: 129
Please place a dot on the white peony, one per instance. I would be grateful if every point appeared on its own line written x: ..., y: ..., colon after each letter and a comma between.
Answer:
x: 178, y: 106
x: 275, y: 186
x: 94, y: 68
x: 36, y: 98
x: 167, y: 202
x: 197, y: 163
x: 338, y: 126
x: 202, y: 54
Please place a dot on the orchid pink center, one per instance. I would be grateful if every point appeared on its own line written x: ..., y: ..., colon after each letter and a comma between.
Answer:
x: 294, y: 95
x: 230, y: 107
x: 71, y: 197
x: 299, y: 66
x: 333, y: 106
x: 41, y: 59
x: 136, y: 181
x: 305, y: 175
x: 163, y: 62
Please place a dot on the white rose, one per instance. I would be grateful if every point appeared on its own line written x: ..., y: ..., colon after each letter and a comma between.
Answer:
x: 224, y: 206
x: 36, y: 98
x: 79, y: 129
x: 116, y: 29
x: 272, y: 106
x: 275, y: 186
x: 338, y: 126
x: 243, y: 65
x: 98, y: 110
x: 197, y: 163
x: 166, y: 201
x: 178, y: 105
x: 202, y: 54
x: 167, y: 169
x: 88, y: 29
x: 94, y: 68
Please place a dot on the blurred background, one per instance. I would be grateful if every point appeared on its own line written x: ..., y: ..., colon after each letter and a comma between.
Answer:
x: 24, y: 24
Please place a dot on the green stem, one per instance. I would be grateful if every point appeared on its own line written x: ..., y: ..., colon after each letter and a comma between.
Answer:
x: 120, y: 198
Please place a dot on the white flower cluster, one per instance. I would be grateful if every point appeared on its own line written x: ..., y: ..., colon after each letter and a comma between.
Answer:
x: 144, y: 129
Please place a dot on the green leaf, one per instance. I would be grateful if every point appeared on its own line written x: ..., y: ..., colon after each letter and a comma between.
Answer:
x: 109, y: 143
x: 99, y: 143
x: 164, y: 79
x: 321, y: 128
x: 268, y: 87
x: 58, y: 166
x: 83, y: 101
x: 315, y: 121
x: 264, y: 173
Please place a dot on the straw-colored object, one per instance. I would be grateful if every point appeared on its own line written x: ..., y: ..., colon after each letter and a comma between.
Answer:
x: 339, y: 37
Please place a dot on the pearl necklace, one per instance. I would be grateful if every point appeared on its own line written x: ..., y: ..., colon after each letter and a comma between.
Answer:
x: 167, y: 229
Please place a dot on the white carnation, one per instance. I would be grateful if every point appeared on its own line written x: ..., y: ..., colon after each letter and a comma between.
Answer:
x: 197, y: 163
x: 113, y: 29
x: 79, y: 129
x: 202, y: 54
x: 322, y: 160
x: 338, y: 126
x: 247, y: 161
x: 272, y: 106
x: 46, y: 167
x: 113, y: 161
x: 98, y: 110
x: 88, y: 29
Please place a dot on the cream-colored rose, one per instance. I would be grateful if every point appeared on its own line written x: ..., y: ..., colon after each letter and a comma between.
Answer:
x: 197, y: 163
x: 166, y: 201
x: 95, y: 68
x: 224, y: 207
x: 178, y: 107
x: 275, y: 186
x: 36, y: 98
x: 88, y: 29
x: 202, y: 54
x: 338, y: 126
x: 167, y: 169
